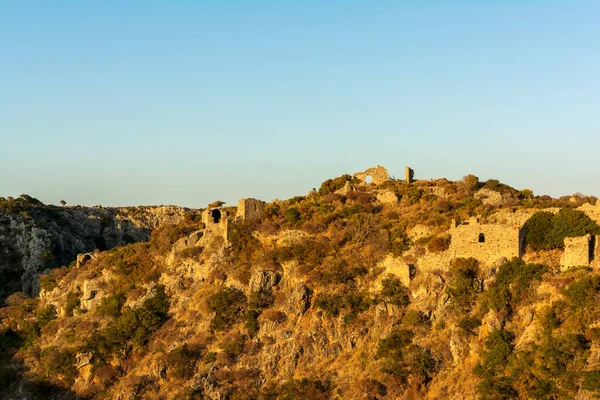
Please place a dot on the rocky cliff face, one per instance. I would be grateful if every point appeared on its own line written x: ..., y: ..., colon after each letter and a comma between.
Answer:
x: 44, y: 237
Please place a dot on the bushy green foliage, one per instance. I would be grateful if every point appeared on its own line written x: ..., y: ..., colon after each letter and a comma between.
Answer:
x: 309, y: 251
x: 228, y: 304
x: 546, y: 231
x: 463, y: 284
x: 292, y: 215
x: 111, y: 305
x: 581, y: 303
x: 401, y: 357
x: 469, y: 324
x: 251, y: 322
x: 393, y: 291
x: 498, y: 348
x: 48, y: 282
x: 132, y: 326
x: 299, y: 390
x: 45, y: 315
x: 181, y: 362
x: 399, y: 241
x: 21, y: 204
x: 351, y: 303
x: 332, y: 185
x: 73, y: 302
x: 59, y: 363
x: 234, y: 347
x: 515, y: 283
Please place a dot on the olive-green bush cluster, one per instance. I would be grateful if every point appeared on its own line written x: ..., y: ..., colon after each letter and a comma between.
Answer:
x: 132, y: 326
x: 516, y: 282
x: 228, y: 305
x: 545, y: 230
x: 181, y: 362
x: 402, y: 358
x: 331, y: 185
x: 463, y: 284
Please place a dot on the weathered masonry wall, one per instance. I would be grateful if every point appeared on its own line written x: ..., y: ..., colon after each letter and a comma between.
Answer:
x: 250, y: 209
x: 579, y: 251
x: 485, y: 242
x: 378, y: 175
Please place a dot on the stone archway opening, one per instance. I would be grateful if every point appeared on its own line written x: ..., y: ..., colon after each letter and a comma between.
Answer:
x: 216, y: 216
x: 85, y: 259
x: 368, y: 179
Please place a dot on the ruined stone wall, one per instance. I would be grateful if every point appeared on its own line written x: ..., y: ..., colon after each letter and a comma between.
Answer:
x: 579, y: 251
x: 378, y: 175
x: 250, y: 209
x: 213, y: 216
x: 409, y: 174
x: 592, y: 211
x: 485, y: 242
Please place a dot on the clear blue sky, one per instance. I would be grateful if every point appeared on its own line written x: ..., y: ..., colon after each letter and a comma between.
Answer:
x: 186, y: 102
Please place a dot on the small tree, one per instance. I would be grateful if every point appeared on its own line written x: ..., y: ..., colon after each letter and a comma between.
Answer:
x: 63, y: 203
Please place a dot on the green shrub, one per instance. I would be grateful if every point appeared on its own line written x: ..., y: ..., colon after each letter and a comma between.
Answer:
x: 399, y: 241
x: 469, y: 324
x: 111, y: 306
x: 209, y: 357
x: 401, y: 357
x: 181, y: 362
x: 193, y: 252
x: 350, y: 302
x: 591, y: 381
x: 45, y: 315
x: 132, y: 326
x: 292, y: 215
x: 59, y: 363
x: 228, y: 305
x: 73, y: 302
x: 251, y: 322
x: 463, y: 284
x: 48, y: 282
x: 544, y: 230
x: 413, y: 318
x: 332, y: 185
x: 234, y: 347
x: 515, y: 283
x: 299, y: 390
x: 393, y: 291
x: 498, y: 348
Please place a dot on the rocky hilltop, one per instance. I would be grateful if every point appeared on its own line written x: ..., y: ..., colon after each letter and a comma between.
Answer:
x: 368, y: 288
x: 35, y: 237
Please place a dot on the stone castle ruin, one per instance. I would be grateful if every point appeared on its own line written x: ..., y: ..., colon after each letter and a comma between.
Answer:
x: 486, y: 242
x: 580, y: 251
x: 250, y: 209
x: 378, y: 175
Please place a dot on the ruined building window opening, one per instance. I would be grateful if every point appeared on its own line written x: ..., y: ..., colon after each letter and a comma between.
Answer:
x: 481, y: 238
x: 368, y: 179
x: 216, y: 216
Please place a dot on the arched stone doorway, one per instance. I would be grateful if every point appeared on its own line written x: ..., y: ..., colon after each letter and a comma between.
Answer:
x: 216, y: 216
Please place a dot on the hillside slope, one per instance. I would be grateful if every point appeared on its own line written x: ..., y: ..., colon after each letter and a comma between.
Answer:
x: 356, y: 291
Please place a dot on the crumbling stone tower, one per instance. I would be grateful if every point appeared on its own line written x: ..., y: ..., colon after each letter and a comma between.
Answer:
x: 409, y: 174
x: 250, y: 209
x: 579, y: 251
x: 216, y: 222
